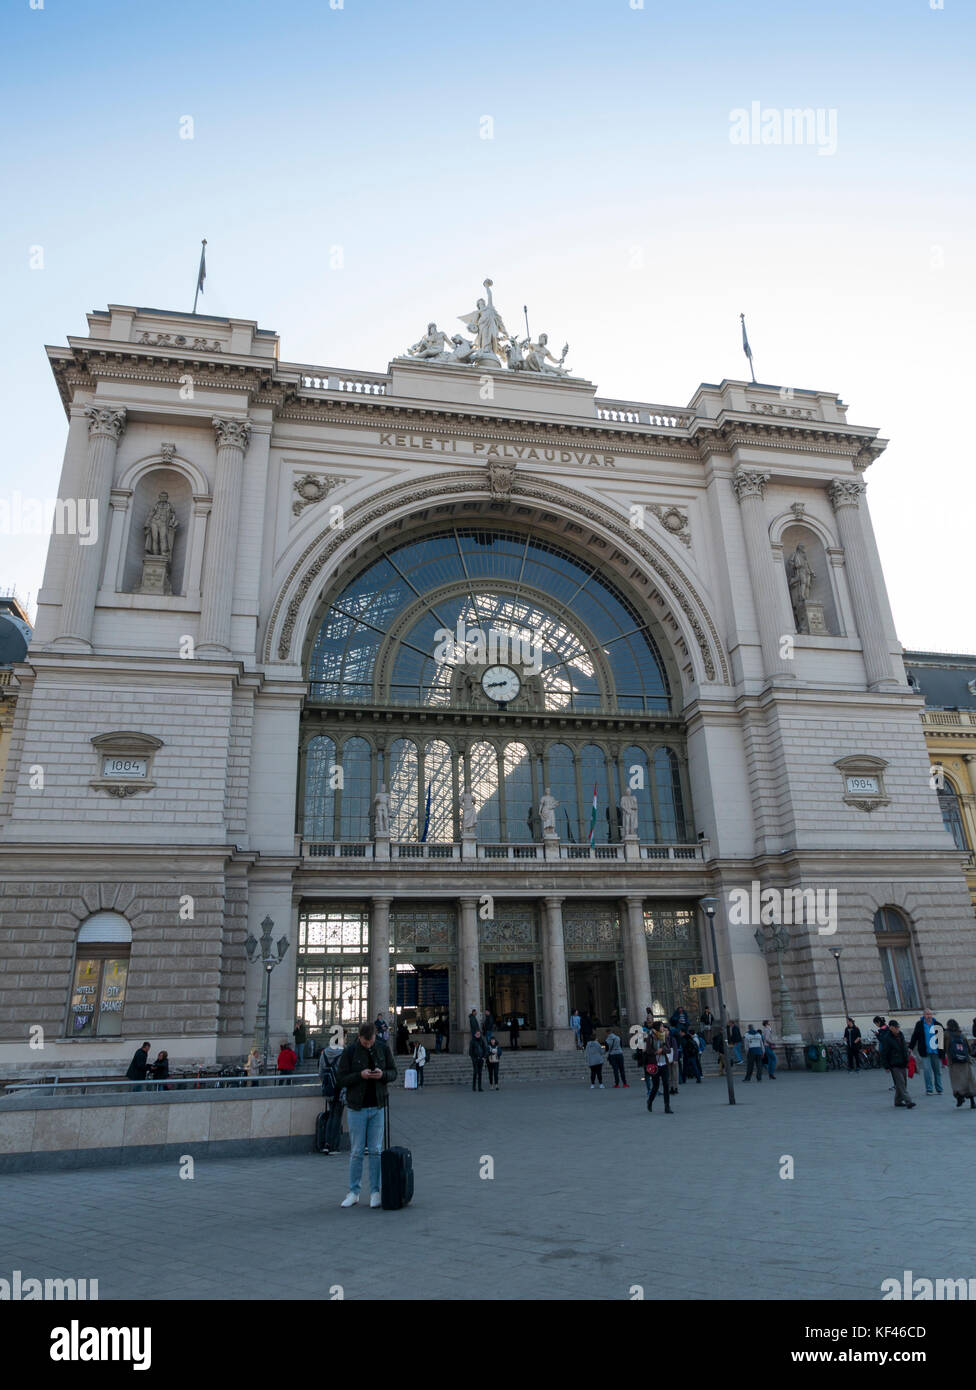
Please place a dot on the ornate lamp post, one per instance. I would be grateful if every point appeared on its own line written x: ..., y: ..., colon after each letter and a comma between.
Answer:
x: 708, y: 906
x: 779, y: 941
x: 269, y: 960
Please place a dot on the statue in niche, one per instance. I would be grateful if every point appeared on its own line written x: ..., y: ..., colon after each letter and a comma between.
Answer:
x: 381, y: 807
x: 801, y: 577
x: 628, y: 805
x: 469, y: 813
x: 160, y: 527
x: 547, y: 813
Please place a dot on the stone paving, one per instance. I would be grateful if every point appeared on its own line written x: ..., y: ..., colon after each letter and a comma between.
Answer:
x: 590, y: 1196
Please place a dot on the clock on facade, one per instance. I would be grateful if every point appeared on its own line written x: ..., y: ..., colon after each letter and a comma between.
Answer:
x: 501, y: 683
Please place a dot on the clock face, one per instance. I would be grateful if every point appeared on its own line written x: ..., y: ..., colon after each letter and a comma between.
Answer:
x: 501, y: 683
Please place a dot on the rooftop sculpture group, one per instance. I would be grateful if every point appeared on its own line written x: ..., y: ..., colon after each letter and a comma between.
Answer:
x: 490, y: 341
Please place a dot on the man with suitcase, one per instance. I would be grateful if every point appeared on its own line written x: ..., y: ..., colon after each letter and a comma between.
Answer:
x: 366, y: 1069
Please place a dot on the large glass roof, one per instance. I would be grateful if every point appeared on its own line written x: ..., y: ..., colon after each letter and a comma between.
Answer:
x: 594, y: 649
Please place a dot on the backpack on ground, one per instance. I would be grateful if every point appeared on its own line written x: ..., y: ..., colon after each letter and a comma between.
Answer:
x: 958, y: 1051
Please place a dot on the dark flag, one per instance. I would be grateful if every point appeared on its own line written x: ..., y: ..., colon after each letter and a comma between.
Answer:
x: 201, y: 273
x: 745, y: 345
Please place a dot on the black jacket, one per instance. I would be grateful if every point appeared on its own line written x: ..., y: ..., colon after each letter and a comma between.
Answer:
x: 893, y: 1049
x: 355, y: 1059
x: 917, y: 1043
x: 477, y: 1048
x: 137, y: 1067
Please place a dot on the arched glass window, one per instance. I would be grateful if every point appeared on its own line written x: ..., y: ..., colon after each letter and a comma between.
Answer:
x: 561, y: 781
x: 638, y: 779
x: 438, y: 793
x: 593, y: 779
x: 402, y: 784
x: 519, y: 810
x: 893, y: 936
x: 952, y: 815
x: 484, y: 786
x: 667, y: 778
x: 320, y: 762
x: 355, y: 807
x: 487, y: 579
x: 101, y: 971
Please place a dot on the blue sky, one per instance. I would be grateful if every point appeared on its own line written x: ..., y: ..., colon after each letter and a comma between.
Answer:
x: 610, y: 199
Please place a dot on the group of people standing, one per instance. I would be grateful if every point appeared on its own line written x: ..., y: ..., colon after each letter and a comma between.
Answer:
x: 936, y: 1047
x: 484, y: 1050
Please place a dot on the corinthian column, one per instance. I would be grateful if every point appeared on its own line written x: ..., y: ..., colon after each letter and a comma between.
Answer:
x: 562, y: 1034
x: 233, y: 436
x: 635, y: 957
x: 105, y: 426
x: 768, y: 577
x: 469, y: 973
x: 845, y: 496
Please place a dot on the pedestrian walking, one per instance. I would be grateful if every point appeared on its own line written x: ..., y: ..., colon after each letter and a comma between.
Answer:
x: 894, y: 1056
x: 852, y: 1041
x: 139, y: 1066
x: 366, y: 1069
x: 287, y: 1062
x: 658, y: 1056
x: 494, y: 1057
x: 574, y: 1023
x: 473, y: 1024
x: 382, y: 1029
x: 615, y: 1056
x: 301, y: 1039
x: 478, y: 1052
x: 253, y: 1066
x: 735, y: 1039
x: 594, y: 1060
x: 420, y: 1062
x: 487, y: 1024
x: 438, y: 1035
x: 689, y: 1047
x: 755, y: 1048
x: 514, y: 1028
x: 160, y: 1071
x: 771, y: 1058
x: 925, y: 1040
x: 676, y: 1070
x: 962, y: 1073
x: 586, y: 1027
x: 705, y: 1021
x: 328, y: 1062
x: 718, y: 1047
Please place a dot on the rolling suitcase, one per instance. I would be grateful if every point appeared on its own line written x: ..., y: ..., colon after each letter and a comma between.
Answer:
x: 396, y: 1171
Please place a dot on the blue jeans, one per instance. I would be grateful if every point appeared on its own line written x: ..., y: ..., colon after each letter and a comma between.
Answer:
x: 300, y: 1049
x: 737, y: 1051
x: 932, y: 1071
x: 770, y: 1061
x: 365, y: 1128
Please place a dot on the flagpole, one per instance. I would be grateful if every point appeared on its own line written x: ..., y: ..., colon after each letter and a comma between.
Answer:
x: 201, y: 273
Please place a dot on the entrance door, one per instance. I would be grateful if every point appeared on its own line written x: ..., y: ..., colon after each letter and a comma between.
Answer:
x: 593, y: 990
x: 510, y: 989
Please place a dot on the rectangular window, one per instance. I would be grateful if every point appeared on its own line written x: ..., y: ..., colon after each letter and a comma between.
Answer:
x: 98, y: 996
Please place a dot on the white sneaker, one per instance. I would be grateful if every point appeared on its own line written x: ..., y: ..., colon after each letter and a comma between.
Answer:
x: 601, y: 1085
x: 592, y: 1086
x: 351, y: 1199
x: 376, y: 1200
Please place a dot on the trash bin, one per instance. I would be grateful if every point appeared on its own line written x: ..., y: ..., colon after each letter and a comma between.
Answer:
x: 816, y: 1057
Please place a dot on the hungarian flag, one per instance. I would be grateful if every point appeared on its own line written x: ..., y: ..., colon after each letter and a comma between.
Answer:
x: 593, y: 816
x: 423, y: 838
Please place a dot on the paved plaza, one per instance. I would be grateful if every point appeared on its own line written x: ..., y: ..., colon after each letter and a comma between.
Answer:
x: 590, y: 1196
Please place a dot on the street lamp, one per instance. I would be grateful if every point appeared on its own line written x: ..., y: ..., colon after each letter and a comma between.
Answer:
x: 708, y: 906
x: 779, y: 941
x: 269, y: 960
x: 835, y: 952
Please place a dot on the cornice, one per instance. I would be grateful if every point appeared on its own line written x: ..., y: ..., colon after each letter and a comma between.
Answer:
x: 82, y: 367
x: 725, y: 436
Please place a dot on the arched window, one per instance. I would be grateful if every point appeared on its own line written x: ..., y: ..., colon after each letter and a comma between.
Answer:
x: 437, y: 794
x: 667, y: 777
x: 484, y: 785
x: 101, y: 970
x: 519, y: 810
x: 602, y: 826
x: 637, y: 778
x: 320, y: 762
x: 402, y: 784
x: 894, y: 940
x: 355, y: 799
x: 952, y: 815
x: 561, y: 781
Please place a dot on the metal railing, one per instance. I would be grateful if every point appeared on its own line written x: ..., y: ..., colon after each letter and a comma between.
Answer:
x: 184, y: 1081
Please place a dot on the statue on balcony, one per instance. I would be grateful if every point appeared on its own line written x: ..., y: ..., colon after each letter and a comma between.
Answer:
x: 469, y: 813
x: 434, y: 346
x: 628, y: 805
x: 381, y: 807
x: 547, y: 813
x: 490, y: 333
x: 537, y: 357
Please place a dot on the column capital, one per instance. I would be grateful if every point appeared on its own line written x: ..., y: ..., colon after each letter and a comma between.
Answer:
x: 231, y: 431
x: 969, y: 758
x: 469, y: 902
x: 552, y: 901
x: 749, y: 482
x: 381, y: 899
x: 635, y: 900
x: 844, y: 492
x: 106, y: 420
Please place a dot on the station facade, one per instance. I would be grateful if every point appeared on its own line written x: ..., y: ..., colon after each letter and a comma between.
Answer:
x: 462, y: 685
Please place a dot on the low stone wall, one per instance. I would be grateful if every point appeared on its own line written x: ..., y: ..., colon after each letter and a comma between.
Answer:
x: 61, y: 1132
